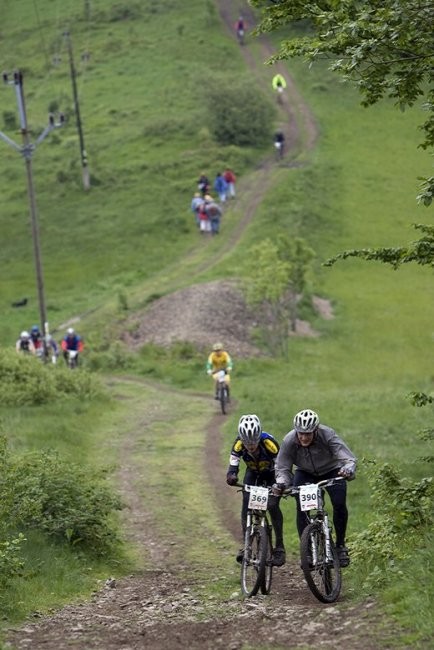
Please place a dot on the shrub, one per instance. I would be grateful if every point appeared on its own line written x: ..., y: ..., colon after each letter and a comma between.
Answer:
x: 238, y: 114
x: 403, y: 515
x: 67, y: 502
x: 25, y: 380
x: 11, y: 563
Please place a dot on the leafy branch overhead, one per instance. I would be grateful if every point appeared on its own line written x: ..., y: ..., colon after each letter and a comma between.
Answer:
x: 420, y: 251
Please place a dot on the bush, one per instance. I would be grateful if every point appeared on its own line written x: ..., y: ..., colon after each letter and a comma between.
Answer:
x: 238, y: 114
x: 402, y: 519
x: 67, y: 502
x: 25, y: 380
x: 11, y: 563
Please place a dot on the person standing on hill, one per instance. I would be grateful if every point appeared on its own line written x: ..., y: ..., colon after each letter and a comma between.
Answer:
x: 221, y: 187
x: 203, y: 184
x: 230, y: 179
x: 318, y: 453
x: 196, y: 203
x: 258, y: 450
x: 214, y: 213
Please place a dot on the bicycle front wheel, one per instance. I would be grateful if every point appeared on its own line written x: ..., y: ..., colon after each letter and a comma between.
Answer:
x: 268, y: 572
x: 223, y: 398
x: 322, y: 574
x: 254, y: 560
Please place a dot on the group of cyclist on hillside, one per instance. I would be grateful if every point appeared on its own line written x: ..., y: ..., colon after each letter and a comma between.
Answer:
x: 309, y: 453
x: 35, y: 343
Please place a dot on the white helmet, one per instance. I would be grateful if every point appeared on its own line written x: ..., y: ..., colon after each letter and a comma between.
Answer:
x: 24, y: 335
x: 249, y: 429
x: 306, y: 421
x: 70, y: 330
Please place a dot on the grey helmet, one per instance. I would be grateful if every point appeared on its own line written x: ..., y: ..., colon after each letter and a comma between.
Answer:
x: 249, y: 429
x: 306, y: 421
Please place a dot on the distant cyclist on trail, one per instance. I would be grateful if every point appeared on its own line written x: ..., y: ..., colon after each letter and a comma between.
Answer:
x: 258, y: 450
x: 317, y: 453
x: 25, y: 343
x: 279, y: 143
x: 71, y: 341
x: 219, y: 359
x: 37, y: 339
x: 240, y: 28
x: 279, y: 85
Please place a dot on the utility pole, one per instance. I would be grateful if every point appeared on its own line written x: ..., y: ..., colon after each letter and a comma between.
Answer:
x: 83, y: 154
x: 26, y: 150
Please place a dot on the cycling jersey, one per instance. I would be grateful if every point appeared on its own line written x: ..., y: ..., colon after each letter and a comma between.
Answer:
x: 220, y: 360
x: 260, y: 461
x: 72, y: 343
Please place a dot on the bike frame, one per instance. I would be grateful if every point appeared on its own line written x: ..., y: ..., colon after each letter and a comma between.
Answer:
x: 257, y: 524
x: 319, y: 559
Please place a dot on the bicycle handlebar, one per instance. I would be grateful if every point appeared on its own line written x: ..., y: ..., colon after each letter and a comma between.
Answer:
x: 293, y: 491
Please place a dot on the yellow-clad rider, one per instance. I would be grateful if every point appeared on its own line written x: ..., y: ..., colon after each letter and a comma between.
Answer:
x: 218, y: 360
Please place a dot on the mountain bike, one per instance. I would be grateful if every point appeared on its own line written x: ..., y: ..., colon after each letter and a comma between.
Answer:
x: 240, y: 35
x: 72, y: 359
x: 279, y: 146
x: 222, y: 389
x: 257, y: 564
x: 319, y: 558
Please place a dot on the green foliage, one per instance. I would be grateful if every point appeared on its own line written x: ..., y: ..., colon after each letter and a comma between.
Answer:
x: 11, y: 562
x: 116, y: 357
x: 275, y: 281
x: 25, y: 380
x: 402, y: 516
x: 68, y: 502
x: 237, y: 113
x: 420, y: 251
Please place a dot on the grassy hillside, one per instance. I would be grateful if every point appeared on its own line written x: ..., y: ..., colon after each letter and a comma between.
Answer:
x: 140, y: 74
x: 145, y: 123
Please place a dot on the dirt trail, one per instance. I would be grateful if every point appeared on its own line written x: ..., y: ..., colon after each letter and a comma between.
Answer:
x: 162, y: 608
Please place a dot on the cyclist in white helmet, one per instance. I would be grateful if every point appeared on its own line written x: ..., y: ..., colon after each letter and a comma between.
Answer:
x: 318, y: 453
x: 258, y: 450
x: 25, y: 343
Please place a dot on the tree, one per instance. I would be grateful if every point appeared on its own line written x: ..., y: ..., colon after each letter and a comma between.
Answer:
x: 386, y: 48
x: 299, y: 256
x: 276, y: 280
x: 268, y: 278
x: 238, y: 114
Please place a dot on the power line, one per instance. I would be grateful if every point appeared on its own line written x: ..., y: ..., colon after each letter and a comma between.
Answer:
x: 83, y: 154
x: 26, y: 150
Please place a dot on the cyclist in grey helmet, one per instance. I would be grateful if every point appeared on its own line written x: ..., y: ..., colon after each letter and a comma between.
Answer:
x: 318, y: 453
x: 258, y: 450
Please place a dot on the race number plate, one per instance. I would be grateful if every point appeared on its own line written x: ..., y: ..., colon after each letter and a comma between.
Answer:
x: 308, y: 496
x: 258, y: 497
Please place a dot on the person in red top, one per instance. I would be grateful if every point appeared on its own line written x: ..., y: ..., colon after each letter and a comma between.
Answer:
x: 71, y: 341
x: 230, y: 179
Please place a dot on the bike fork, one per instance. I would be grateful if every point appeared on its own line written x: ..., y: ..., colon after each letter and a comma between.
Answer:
x: 326, y: 529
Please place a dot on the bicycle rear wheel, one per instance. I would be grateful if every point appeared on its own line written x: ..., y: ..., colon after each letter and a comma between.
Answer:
x: 253, y: 565
x: 268, y: 572
x: 322, y: 576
